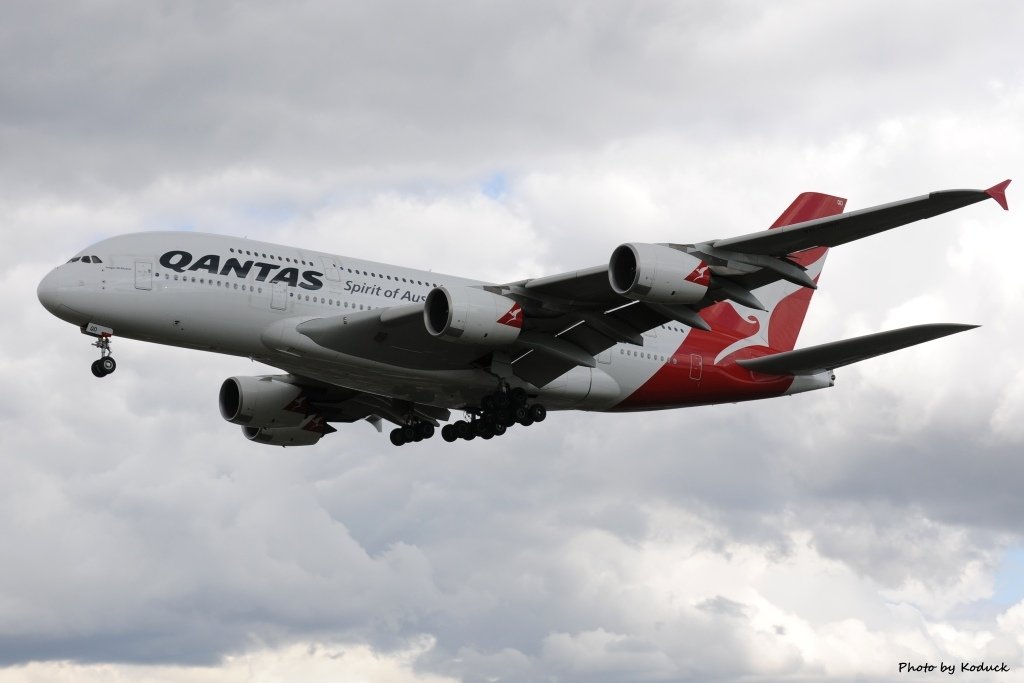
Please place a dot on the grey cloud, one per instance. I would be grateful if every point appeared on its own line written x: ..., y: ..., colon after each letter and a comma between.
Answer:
x: 142, y: 528
x: 111, y: 94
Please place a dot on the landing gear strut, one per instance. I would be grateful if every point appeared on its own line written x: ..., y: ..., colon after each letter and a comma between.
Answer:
x: 106, y: 363
x: 498, y: 411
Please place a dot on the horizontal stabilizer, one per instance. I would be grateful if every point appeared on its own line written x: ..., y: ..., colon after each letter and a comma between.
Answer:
x: 834, y: 355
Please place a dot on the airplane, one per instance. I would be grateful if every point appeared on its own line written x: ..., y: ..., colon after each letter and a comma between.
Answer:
x: 659, y: 326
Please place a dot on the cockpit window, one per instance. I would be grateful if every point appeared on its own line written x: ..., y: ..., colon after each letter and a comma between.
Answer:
x: 74, y: 259
x: 86, y: 259
x: 96, y: 259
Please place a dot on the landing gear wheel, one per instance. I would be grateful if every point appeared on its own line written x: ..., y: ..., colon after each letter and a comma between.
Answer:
x: 97, y: 369
x: 108, y: 364
x: 396, y: 436
x: 409, y: 433
x: 464, y: 430
x: 424, y: 430
x: 450, y: 433
x: 538, y: 412
x: 518, y: 396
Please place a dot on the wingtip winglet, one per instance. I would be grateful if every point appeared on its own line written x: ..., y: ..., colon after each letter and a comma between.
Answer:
x: 998, y: 193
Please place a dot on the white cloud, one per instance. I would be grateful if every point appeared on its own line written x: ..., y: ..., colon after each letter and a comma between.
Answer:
x: 310, y: 662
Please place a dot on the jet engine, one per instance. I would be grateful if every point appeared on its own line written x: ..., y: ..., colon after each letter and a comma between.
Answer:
x: 261, y: 402
x: 658, y: 274
x: 468, y: 315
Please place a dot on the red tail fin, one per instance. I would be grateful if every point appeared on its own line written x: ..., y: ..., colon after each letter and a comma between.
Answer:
x: 786, y: 302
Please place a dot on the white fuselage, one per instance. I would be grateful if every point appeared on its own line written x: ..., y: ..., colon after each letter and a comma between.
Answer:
x: 222, y: 294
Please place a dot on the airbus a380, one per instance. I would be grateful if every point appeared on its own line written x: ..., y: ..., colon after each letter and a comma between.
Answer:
x: 658, y: 326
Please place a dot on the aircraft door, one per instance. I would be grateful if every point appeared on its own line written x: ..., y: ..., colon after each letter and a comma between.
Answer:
x: 696, y: 367
x: 143, y: 275
x: 331, y: 269
x: 278, y: 296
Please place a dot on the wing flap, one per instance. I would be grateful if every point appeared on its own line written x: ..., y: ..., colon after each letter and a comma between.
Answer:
x: 834, y: 355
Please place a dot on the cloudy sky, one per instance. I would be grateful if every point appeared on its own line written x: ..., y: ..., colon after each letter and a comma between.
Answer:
x: 830, y: 535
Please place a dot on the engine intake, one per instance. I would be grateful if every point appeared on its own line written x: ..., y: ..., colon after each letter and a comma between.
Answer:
x: 658, y: 274
x: 467, y: 315
x: 261, y: 402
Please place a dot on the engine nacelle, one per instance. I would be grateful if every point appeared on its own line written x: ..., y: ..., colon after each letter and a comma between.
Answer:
x: 282, y: 436
x: 468, y: 315
x: 261, y: 402
x: 658, y: 274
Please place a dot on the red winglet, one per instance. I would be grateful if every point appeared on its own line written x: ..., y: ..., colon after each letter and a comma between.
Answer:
x: 998, y: 193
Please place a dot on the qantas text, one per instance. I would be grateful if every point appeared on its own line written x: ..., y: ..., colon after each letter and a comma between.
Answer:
x: 180, y: 261
x: 378, y: 290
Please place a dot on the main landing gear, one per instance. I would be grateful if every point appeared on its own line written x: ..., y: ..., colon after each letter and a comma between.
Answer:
x: 106, y: 363
x: 410, y: 433
x: 499, y: 411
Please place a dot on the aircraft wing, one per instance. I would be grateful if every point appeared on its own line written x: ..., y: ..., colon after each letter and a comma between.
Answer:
x: 815, y: 359
x: 596, y: 317
x: 340, y: 404
x: 836, y: 230
x: 570, y: 318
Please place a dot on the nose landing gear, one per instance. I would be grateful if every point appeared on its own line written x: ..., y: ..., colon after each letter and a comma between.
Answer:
x: 106, y: 363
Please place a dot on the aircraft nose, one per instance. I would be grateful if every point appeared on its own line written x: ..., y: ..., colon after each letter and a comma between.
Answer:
x: 49, y: 291
x: 58, y: 295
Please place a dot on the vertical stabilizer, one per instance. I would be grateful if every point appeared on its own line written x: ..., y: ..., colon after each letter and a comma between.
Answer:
x: 787, y: 303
